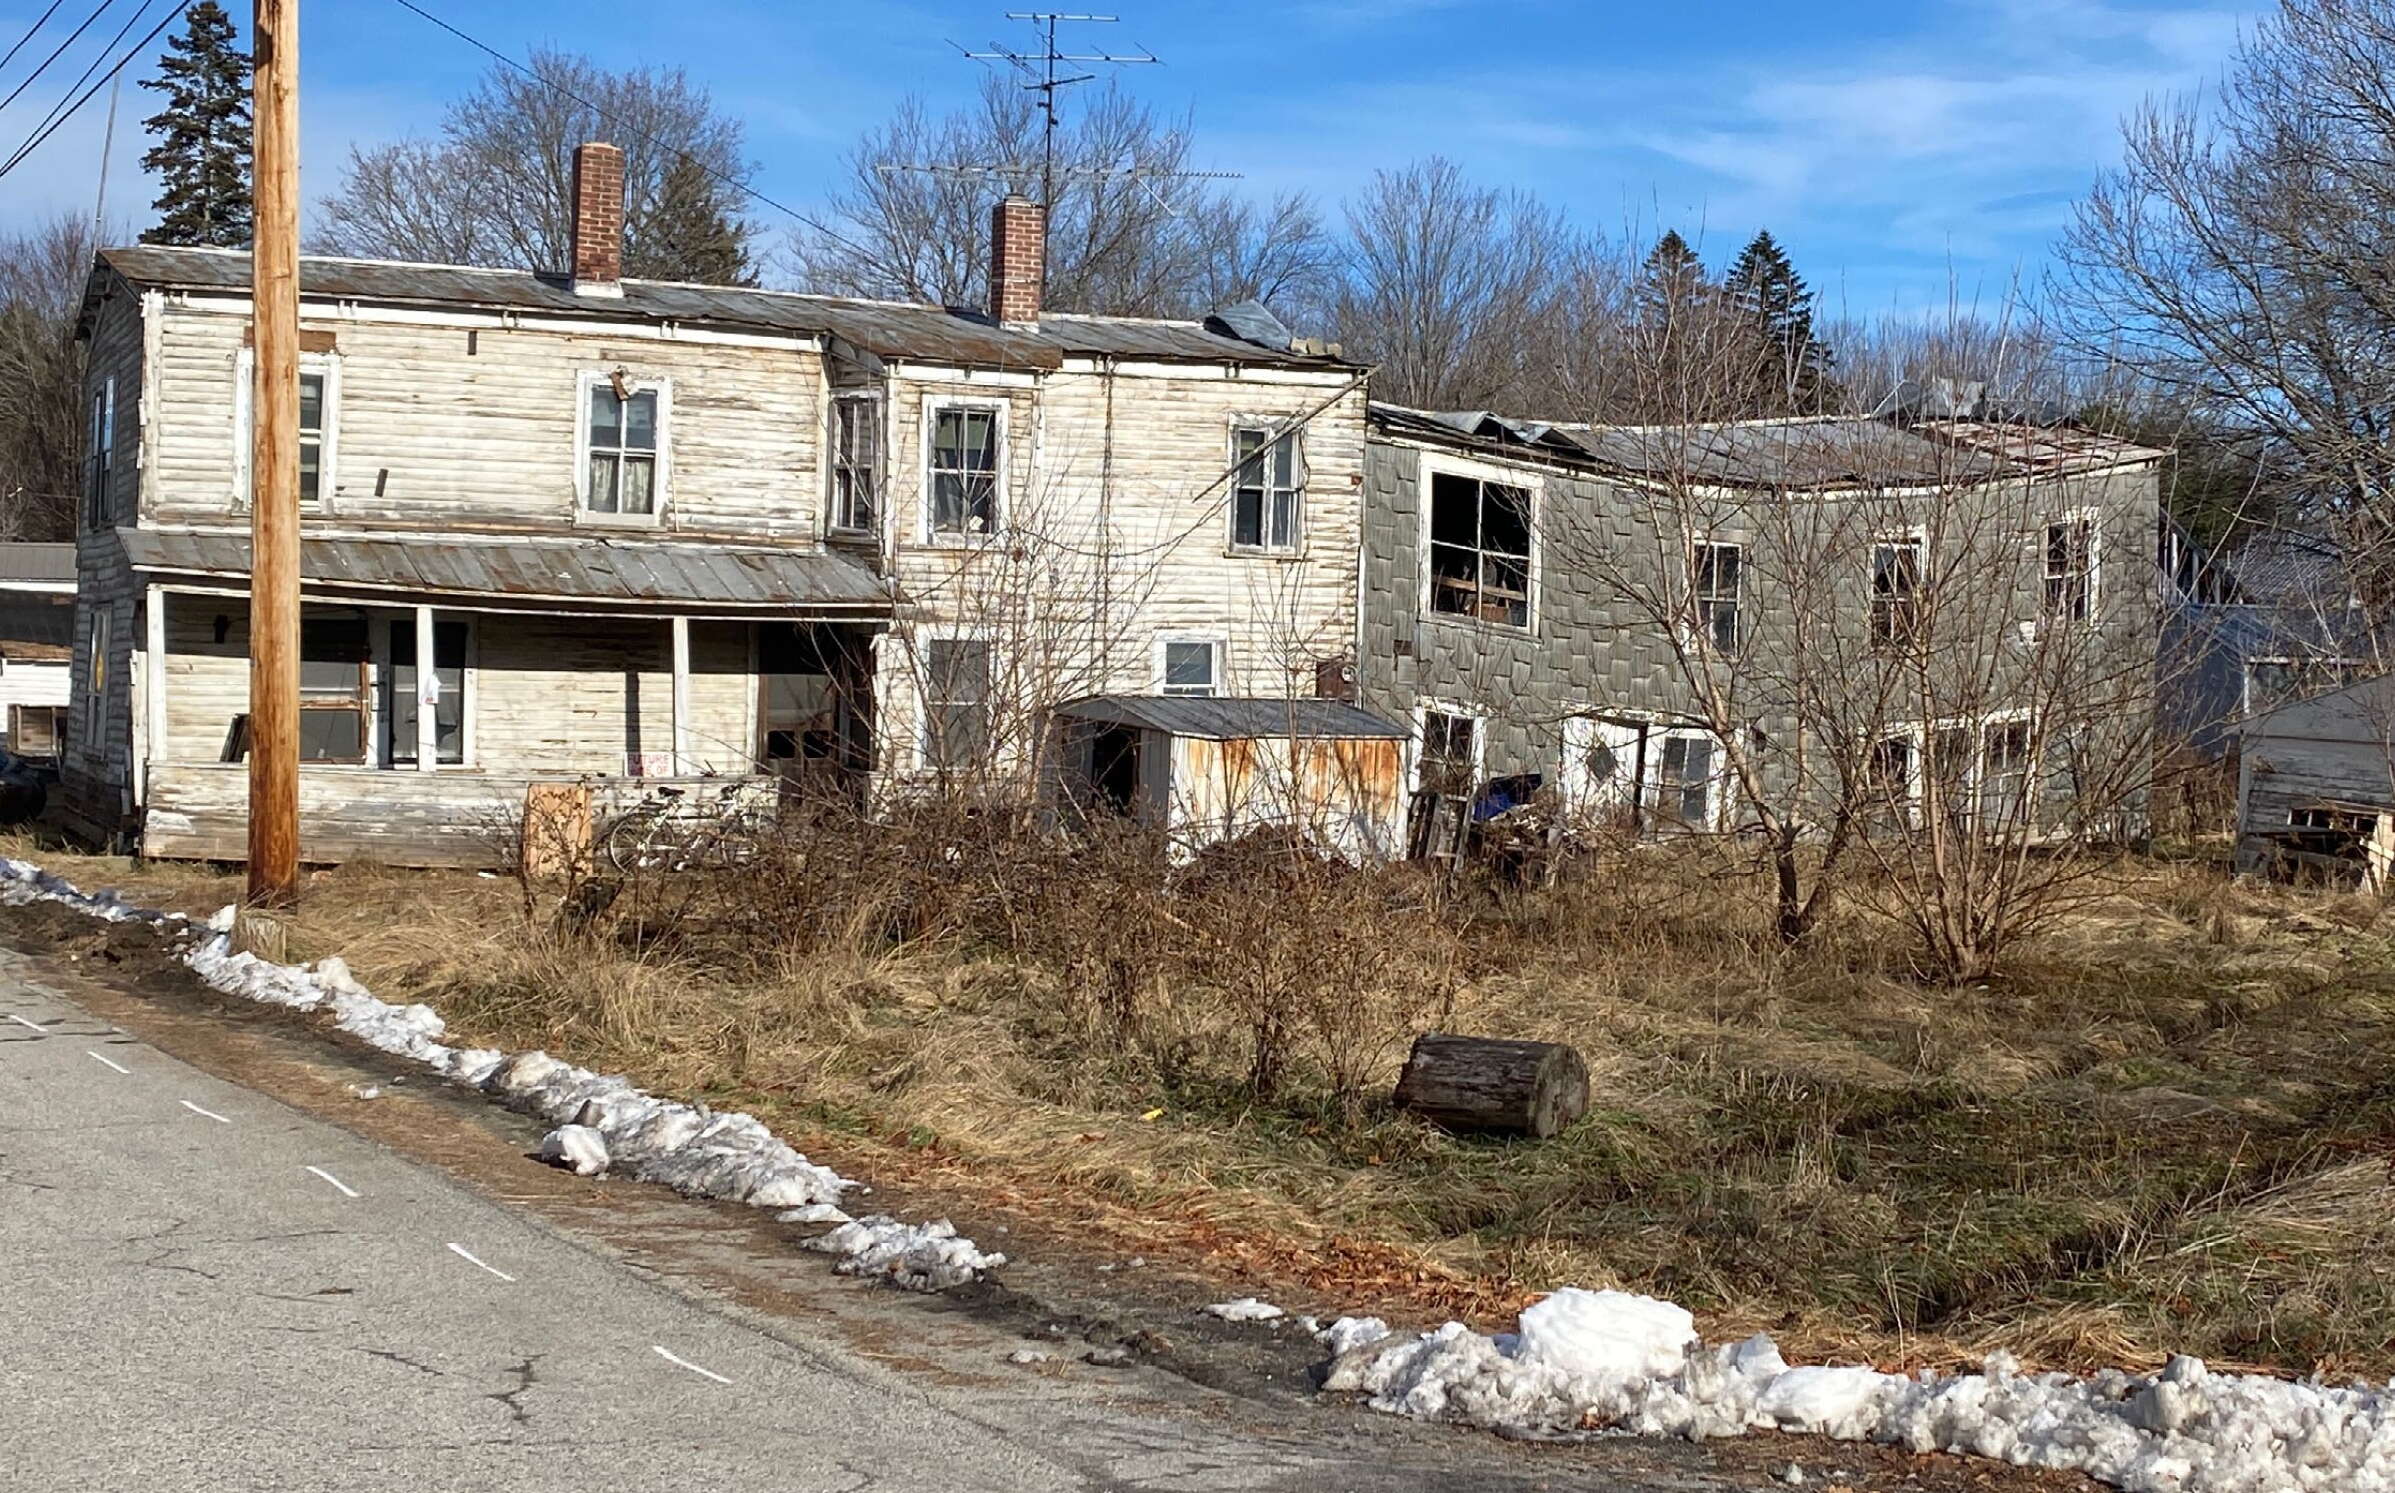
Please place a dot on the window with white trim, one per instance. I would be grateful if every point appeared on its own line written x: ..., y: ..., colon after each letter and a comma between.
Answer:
x: 2003, y: 772
x: 1267, y: 490
x: 856, y: 462
x: 318, y: 432
x: 962, y: 469
x: 956, y: 703
x: 335, y: 670
x: 623, y: 439
x: 1888, y: 774
x: 2070, y: 590
x: 1479, y: 549
x: 1716, y: 574
x: 1896, y: 567
x: 99, y: 458
x: 1688, y: 782
x: 2274, y: 681
x: 1191, y: 666
x: 1447, y: 759
x: 402, y: 699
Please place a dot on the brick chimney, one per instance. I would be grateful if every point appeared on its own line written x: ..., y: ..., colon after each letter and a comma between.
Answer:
x: 1018, y: 260
x: 598, y: 220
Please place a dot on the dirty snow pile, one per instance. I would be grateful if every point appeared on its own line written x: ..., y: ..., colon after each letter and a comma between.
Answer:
x: 920, y: 1257
x: 1245, y: 1309
x: 1607, y: 1360
x: 600, y: 1122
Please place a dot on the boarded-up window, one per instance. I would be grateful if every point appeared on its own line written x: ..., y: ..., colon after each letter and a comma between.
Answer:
x: 35, y: 730
x: 956, y: 703
x: 1479, y: 550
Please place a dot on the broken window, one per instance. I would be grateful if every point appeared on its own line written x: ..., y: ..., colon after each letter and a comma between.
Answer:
x: 856, y: 462
x: 620, y: 471
x: 1685, y: 787
x: 964, y: 470
x: 99, y: 456
x: 1715, y: 582
x: 1479, y: 550
x: 956, y: 703
x: 1266, y: 490
x: 401, y: 695
x: 1448, y: 764
x: 2003, y: 772
x: 2070, y: 568
x: 2272, y: 682
x: 1192, y: 668
x: 1895, y: 591
x: 333, y: 670
x: 1888, y: 777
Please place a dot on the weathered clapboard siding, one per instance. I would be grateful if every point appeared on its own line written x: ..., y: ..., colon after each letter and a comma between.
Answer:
x: 2337, y: 750
x: 1117, y: 537
x: 96, y: 767
x: 442, y: 425
x: 199, y: 811
x: 544, y: 694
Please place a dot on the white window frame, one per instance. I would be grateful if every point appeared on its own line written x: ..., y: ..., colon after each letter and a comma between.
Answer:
x: 1918, y: 538
x: 99, y: 459
x: 663, y: 387
x: 1532, y: 485
x: 1920, y: 738
x: 2245, y: 677
x: 1423, y: 711
x: 328, y: 441
x: 1001, y: 497
x: 378, y: 642
x: 1265, y: 425
x: 923, y: 696
x: 836, y: 514
x: 1700, y: 623
x: 1584, y: 795
x: 2093, y: 575
x: 1213, y: 643
x: 1718, y: 794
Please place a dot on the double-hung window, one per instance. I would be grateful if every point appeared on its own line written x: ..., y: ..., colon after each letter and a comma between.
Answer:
x: 1449, y: 756
x: 403, y: 694
x: 313, y: 408
x: 856, y: 463
x: 1716, y: 574
x: 1896, y: 566
x: 2003, y: 772
x: 1686, y: 783
x: 334, y: 667
x: 963, y: 469
x: 318, y: 433
x: 1267, y: 492
x: 1479, y: 549
x: 2071, y: 568
x: 621, y: 447
x: 99, y: 458
x: 956, y: 703
x: 1192, y: 667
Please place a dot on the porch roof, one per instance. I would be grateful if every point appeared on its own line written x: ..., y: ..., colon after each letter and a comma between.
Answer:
x: 1232, y: 718
x: 520, y: 570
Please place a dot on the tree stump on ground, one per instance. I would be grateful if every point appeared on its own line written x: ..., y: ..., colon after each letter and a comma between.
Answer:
x: 1487, y: 1084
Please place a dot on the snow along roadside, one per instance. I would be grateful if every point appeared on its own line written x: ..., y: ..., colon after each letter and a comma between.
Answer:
x: 689, y: 1148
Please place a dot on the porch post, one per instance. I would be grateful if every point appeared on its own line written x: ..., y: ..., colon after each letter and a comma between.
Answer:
x: 153, y: 690
x: 681, y: 695
x: 428, y: 695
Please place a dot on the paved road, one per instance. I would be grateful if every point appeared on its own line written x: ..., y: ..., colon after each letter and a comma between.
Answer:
x: 201, y: 1289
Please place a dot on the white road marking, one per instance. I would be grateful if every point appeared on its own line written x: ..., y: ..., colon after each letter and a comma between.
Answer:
x: 345, y: 1189
x: 211, y: 1114
x: 119, y: 1067
x: 467, y: 1255
x: 686, y: 1363
x: 28, y: 1025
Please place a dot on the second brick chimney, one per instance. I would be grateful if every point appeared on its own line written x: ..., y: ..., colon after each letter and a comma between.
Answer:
x: 1018, y: 260
x: 598, y: 220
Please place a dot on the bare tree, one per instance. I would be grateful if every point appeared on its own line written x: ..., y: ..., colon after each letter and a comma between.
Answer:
x: 42, y: 273
x: 496, y: 187
x: 1126, y: 235
x: 2238, y: 256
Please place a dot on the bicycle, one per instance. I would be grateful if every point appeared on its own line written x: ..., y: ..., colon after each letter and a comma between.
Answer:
x: 664, y: 832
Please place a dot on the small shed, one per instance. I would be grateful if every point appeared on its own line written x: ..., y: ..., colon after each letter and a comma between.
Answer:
x: 1206, y: 768
x: 2316, y: 781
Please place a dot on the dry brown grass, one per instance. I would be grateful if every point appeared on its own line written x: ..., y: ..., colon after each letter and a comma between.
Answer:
x: 2168, y: 1126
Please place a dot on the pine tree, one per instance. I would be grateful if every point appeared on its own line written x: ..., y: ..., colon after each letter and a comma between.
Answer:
x: 1673, y: 280
x: 691, y: 235
x: 1792, y: 365
x: 203, y: 149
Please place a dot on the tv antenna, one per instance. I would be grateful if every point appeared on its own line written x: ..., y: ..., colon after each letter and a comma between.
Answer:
x: 1040, y: 75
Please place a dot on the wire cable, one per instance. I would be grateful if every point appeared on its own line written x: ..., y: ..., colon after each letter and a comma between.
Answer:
x: 31, y: 32
x: 88, y: 21
x: 35, y: 143
x: 55, y: 116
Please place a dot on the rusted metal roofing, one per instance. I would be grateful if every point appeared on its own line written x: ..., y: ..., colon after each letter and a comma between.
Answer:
x: 583, y: 567
x: 1230, y: 718
x: 889, y: 329
x: 1822, y: 453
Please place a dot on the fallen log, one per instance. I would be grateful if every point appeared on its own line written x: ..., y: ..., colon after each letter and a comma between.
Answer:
x: 1492, y: 1085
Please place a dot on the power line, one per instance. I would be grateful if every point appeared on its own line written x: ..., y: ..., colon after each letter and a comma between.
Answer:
x: 55, y: 116
x: 35, y: 143
x: 30, y: 34
x: 88, y: 21
x: 619, y: 121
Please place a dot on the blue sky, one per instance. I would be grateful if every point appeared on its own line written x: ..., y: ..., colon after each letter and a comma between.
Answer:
x: 1903, y: 154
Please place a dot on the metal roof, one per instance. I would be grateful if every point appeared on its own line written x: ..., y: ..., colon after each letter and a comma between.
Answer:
x: 889, y: 329
x: 37, y: 562
x: 2278, y: 567
x: 1230, y: 718
x: 581, y: 567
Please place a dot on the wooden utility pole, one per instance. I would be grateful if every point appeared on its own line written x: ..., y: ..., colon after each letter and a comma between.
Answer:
x: 274, y: 458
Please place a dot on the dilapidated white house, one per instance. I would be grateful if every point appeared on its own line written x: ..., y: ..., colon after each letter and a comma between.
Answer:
x: 573, y: 527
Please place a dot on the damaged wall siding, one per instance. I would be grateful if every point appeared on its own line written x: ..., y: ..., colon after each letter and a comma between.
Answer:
x: 96, y: 768
x: 428, y: 432
x: 2337, y: 750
